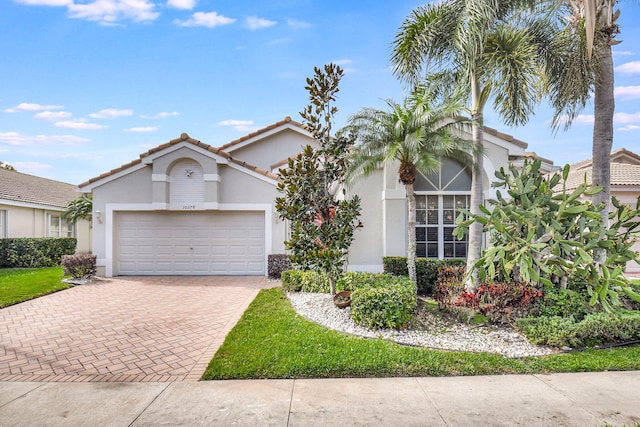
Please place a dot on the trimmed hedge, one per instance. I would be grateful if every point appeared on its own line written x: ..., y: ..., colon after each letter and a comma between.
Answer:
x: 594, y: 329
x: 426, y: 270
x: 389, y: 302
x: 35, y: 252
x: 378, y: 301
x: 305, y: 281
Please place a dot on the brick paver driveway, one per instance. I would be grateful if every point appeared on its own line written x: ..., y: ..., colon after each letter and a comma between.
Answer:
x: 123, y: 329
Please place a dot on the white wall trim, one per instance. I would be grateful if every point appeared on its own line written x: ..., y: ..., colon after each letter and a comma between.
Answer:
x: 211, y: 177
x: 112, y: 208
x: 159, y: 177
x: 30, y: 205
x: 391, y: 194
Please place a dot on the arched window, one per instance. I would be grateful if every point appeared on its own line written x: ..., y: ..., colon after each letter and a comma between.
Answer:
x: 439, y: 196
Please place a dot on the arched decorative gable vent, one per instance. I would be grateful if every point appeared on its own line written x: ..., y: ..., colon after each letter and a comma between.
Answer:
x: 186, y: 186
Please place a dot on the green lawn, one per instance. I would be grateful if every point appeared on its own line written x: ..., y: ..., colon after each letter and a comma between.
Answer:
x: 21, y: 284
x: 272, y: 341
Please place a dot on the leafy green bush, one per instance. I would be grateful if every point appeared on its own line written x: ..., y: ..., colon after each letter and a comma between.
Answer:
x: 426, y: 270
x: 554, y: 331
x: 388, y: 303
x: 79, y: 266
x: 35, y: 252
x: 305, y: 281
x: 353, y: 280
x: 563, y: 303
x: 594, y: 329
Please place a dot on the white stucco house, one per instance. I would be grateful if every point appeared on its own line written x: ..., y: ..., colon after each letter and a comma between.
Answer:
x: 188, y: 207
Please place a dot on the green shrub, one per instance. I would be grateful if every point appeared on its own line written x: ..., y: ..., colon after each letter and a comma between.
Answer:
x: 563, y: 303
x: 426, y: 270
x: 353, y: 280
x: 305, y: 281
x: 555, y: 331
x: 388, y: 302
x: 79, y: 266
x: 594, y: 329
x: 35, y: 252
x: 607, y: 328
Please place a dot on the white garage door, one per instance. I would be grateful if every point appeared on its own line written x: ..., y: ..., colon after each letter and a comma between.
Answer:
x: 190, y: 243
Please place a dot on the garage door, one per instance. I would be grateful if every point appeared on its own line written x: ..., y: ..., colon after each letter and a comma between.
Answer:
x: 190, y: 243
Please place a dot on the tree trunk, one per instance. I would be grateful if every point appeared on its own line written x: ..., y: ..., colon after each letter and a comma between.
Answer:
x: 475, y: 229
x: 411, y: 230
x: 604, y: 106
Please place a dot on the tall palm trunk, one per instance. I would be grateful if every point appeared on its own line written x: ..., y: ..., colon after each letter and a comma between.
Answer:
x: 604, y: 107
x: 475, y: 229
x: 411, y: 230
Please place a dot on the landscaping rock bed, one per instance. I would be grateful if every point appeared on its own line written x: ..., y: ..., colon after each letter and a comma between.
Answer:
x: 427, y: 329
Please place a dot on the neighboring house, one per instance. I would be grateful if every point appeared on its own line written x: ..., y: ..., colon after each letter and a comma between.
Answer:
x: 188, y: 208
x: 625, y: 182
x: 31, y: 206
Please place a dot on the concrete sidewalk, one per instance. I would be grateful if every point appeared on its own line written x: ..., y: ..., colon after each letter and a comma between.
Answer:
x: 582, y: 399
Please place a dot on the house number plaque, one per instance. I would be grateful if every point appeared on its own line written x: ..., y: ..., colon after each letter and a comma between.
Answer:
x: 188, y: 207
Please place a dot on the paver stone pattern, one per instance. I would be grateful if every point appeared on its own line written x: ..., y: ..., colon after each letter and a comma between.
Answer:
x: 125, y: 329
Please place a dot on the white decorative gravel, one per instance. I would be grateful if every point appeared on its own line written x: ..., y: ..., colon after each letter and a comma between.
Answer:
x: 320, y: 309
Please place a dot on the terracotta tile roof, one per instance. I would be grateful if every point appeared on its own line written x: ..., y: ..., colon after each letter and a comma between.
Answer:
x: 261, y: 131
x: 183, y: 138
x: 20, y: 187
x: 622, y: 174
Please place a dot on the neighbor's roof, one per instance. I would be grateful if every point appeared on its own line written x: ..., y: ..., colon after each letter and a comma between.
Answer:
x: 260, y: 132
x: 183, y: 138
x: 20, y: 187
x: 625, y: 170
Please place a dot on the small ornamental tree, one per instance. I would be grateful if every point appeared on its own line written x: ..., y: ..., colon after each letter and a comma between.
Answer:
x: 548, y: 237
x: 322, y: 219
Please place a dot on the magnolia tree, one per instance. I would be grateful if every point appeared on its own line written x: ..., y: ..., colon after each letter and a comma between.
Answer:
x: 322, y: 219
x: 549, y: 237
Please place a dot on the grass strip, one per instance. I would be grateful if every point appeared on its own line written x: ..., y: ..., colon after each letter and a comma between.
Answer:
x: 22, y: 284
x: 272, y: 341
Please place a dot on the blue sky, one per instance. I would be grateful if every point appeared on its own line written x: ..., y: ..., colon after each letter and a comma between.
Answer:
x: 88, y: 85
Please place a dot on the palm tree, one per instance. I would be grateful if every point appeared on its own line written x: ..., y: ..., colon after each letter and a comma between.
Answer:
x: 79, y: 208
x: 585, y: 53
x: 487, y: 48
x: 417, y: 134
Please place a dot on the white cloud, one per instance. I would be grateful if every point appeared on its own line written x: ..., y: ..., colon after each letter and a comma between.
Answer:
x: 162, y: 115
x: 25, y: 106
x: 632, y: 67
x: 628, y: 128
x: 52, y: 115
x: 17, y: 140
x: 205, y: 19
x: 109, y: 12
x: 182, y: 4
x: 239, y: 125
x: 298, y: 25
x: 255, y: 23
x: 584, y: 119
x: 111, y: 113
x: 142, y: 129
x: 45, y: 2
x: 32, y: 168
x: 626, y: 118
x: 79, y: 124
x: 627, y: 92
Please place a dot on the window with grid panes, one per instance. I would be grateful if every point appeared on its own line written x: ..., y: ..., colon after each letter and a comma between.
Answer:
x: 439, y: 197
